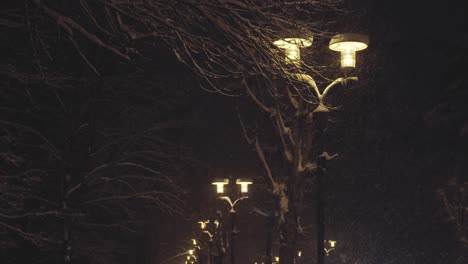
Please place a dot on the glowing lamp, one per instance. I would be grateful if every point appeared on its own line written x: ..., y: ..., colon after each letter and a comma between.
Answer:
x: 292, y: 47
x: 244, y: 184
x: 332, y: 243
x: 190, y: 251
x: 220, y: 185
x: 203, y: 223
x: 348, y: 44
x: 299, y: 253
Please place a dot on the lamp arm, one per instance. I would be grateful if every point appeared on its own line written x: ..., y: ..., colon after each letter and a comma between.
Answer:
x: 239, y: 199
x: 307, y: 79
x: 208, y: 233
x: 327, y: 251
x: 335, y: 82
x: 228, y: 200
x: 235, y: 202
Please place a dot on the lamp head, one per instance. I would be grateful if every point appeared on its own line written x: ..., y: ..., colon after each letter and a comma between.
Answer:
x: 348, y: 44
x: 203, y: 223
x: 219, y: 183
x: 292, y: 47
x: 244, y: 184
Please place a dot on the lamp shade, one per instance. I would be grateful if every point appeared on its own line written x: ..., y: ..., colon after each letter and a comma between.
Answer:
x: 292, y: 47
x: 203, y: 223
x: 348, y: 44
x: 244, y: 184
x: 219, y: 183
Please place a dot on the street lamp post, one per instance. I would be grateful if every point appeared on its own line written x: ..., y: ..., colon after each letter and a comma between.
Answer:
x: 270, y: 225
x: 244, y: 189
x: 332, y: 244
x: 347, y: 44
x: 209, y: 228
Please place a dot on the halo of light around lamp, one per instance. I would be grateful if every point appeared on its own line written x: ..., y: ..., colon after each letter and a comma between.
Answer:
x: 348, y: 44
x: 219, y: 183
x: 244, y: 184
x: 292, y: 47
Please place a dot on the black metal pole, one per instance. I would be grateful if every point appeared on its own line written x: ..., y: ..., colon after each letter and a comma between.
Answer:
x: 320, y: 125
x: 210, y: 246
x: 270, y: 220
x: 320, y: 222
x: 233, y: 234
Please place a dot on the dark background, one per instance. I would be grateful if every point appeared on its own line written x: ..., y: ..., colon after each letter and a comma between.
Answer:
x: 401, y: 135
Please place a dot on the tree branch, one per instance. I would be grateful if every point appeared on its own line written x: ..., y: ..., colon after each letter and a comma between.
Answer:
x: 283, y: 131
x: 261, y: 155
x: 255, y: 99
x: 69, y: 25
x: 309, y: 80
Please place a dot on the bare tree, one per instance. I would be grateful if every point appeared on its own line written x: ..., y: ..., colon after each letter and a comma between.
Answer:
x: 229, y: 44
x: 84, y: 158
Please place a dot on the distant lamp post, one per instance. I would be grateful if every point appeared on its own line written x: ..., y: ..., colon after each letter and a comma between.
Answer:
x: 347, y: 44
x: 196, y: 244
x: 204, y: 226
x: 244, y: 189
x: 191, y: 258
x: 203, y: 223
x: 332, y: 244
x: 277, y: 259
x: 210, y: 228
x: 219, y: 183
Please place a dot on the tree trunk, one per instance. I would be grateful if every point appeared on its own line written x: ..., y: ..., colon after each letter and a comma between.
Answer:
x: 232, y: 246
x: 269, y: 238
x: 288, y: 230
x: 288, y: 235
x: 320, y: 221
x: 320, y: 125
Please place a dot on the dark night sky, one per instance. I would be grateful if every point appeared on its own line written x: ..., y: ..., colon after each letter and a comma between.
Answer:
x: 401, y: 134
